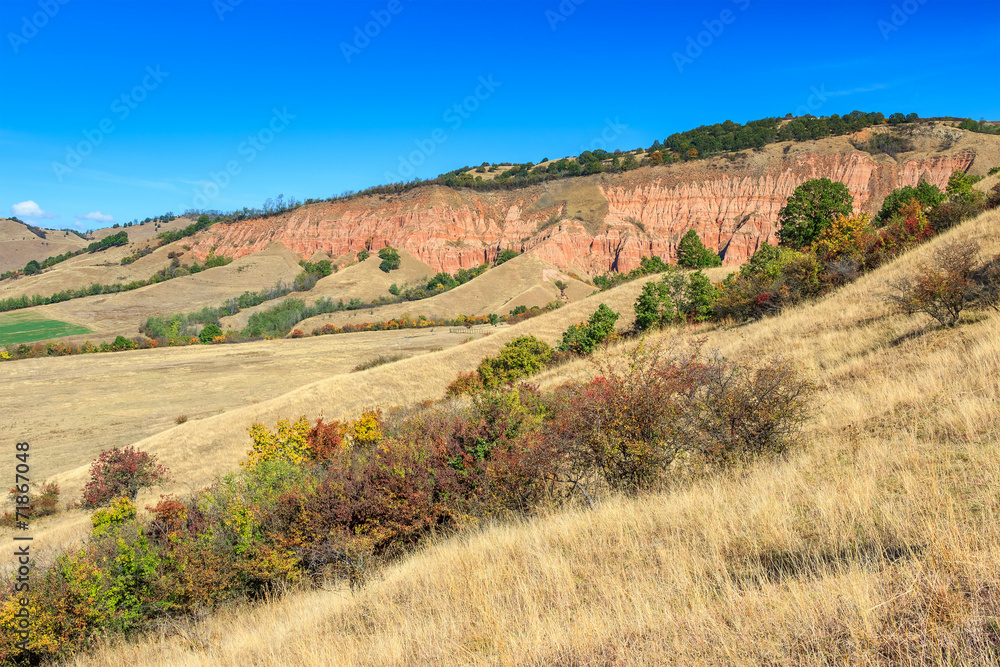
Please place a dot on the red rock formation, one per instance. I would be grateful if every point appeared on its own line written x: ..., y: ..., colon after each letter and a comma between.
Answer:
x: 733, y: 207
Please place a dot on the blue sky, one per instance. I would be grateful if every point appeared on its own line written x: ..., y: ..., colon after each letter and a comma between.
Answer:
x: 111, y: 111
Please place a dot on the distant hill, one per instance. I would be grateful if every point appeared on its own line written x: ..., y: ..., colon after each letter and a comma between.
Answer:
x: 20, y: 243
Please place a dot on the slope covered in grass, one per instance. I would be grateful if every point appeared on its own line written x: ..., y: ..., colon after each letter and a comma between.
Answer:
x: 875, y: 542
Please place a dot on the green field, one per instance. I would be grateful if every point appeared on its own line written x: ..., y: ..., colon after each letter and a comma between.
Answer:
x: 26, y: 328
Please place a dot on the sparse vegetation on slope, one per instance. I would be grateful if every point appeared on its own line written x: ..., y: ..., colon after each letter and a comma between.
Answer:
x: 876, y: 543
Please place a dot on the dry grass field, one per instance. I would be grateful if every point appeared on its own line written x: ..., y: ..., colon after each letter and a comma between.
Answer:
x: 363, y: 280
x: 109, y: 315
x: 524, y: 280
x: 875, y: 542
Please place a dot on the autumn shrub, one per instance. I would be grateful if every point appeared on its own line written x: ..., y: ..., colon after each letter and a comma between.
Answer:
x: 941, y: 288
x: 774, y: 279
x: 465, y: 383
x: 288, y: 442
x: 121, y: 472
x: 628, y: 428
x: 326, y: 440
x: 519, y: 358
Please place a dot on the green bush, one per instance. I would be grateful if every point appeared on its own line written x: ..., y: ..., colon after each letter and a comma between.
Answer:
x: 390, y: 259
x: 209, y: 332
x: 363, y: 255
x: 582, y: 338
x: 519, y: 358
x: 960, y: 190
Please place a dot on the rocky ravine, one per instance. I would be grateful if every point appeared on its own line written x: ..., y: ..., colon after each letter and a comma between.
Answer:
x: 599, y: 223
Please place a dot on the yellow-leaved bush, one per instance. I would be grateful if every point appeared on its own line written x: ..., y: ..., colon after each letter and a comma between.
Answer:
x: 288, y: 441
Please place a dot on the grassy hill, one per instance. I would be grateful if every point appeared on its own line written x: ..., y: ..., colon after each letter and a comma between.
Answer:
x: 18, y: 244
x: 875, y: 541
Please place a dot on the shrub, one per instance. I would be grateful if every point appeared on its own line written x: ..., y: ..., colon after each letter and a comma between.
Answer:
x: 847, y: 237
x: 122, y: 343
x: 209, y: 332
x: 627, y: 428
x: 772, y: 280
x: 940, y: 288
x: 692, y: 254
x: 380, y: 360
x: 811, y: 208
x: 390, y: 259
x: 465, y: 383
x: 960, y: 188
x: 582, y: 338
x: 120, y: 473
x: 363, y: 255
x: 288, y: 442
x: 366, y: 430
x: 519, y: 358
x: 326, y: 441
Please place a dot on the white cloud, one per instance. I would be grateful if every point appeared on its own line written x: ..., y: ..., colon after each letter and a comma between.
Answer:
x: 97, y: 216
x: 31, y: 210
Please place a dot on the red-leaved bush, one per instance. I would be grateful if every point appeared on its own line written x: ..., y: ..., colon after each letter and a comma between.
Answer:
x: 118, y: 473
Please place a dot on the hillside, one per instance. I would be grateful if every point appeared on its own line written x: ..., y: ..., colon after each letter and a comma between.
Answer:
x: 874, y: 542
x: 524, y: 280
x: 19, y: 245
x: 593, y: 224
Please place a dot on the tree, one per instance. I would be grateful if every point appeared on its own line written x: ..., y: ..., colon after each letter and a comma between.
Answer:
x: 928, y: 194
x: 561, y: 285
x: 809, y: 209
x: 32, y: 267
x: 692, y: 253
x: 363, y: 255
x: 120, y: 473
x: 390, y: 259
x: 504, y: 256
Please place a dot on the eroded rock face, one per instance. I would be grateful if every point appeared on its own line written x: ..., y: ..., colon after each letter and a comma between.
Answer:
x: 733, y: 207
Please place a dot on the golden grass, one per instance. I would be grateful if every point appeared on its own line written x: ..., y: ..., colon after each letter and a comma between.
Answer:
x: 877, y: 542
x: 524, y: 280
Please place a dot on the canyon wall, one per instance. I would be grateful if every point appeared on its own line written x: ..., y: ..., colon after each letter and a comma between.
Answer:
x: 732, y: 205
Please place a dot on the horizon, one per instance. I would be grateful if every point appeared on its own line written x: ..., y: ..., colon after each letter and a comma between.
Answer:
x: 171, y: 124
